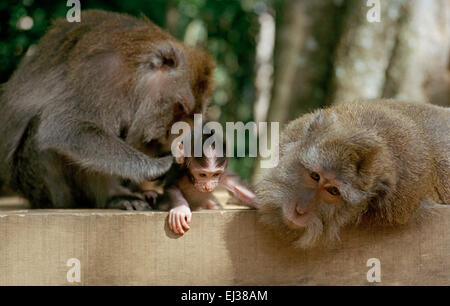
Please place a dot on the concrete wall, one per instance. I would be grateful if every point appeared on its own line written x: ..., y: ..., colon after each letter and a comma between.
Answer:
x: 222, y: 248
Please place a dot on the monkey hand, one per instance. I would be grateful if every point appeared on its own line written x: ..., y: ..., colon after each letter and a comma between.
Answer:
x: 128, y: 203
x: 179, y: 219
x: 151, y: 197
x: 159, y: 166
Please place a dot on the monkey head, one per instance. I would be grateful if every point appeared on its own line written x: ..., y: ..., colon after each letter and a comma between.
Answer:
x: 178, y: 78
x: 205, y: 171
x: 329, y: 173
x: 143, y: 76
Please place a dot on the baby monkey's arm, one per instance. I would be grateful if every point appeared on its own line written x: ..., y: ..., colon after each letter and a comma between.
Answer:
x: 238, y: 189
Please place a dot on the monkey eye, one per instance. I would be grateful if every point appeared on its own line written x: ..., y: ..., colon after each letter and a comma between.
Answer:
x: 216, y: 174
x: 333, y: 190
x: 202, y: 175
x: 315, y: 176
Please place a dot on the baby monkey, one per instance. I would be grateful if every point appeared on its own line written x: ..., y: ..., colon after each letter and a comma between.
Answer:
x: 191, y: 181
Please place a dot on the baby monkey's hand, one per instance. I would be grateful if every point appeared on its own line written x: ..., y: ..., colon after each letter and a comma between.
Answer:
x: 179, y: 219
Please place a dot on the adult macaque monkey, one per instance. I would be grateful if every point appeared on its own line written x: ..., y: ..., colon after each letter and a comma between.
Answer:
x: 192, y: 179
x: 381, y: 162
x: 79, y: 111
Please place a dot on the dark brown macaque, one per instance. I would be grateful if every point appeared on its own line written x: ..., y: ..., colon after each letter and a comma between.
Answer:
x: 78, y: 113
x: 368, y: 163
x: 192, y: 180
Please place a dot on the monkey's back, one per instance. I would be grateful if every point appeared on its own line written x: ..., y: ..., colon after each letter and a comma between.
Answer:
x: 435, y: 122
x: 51, y: 77
x: 418, y: 135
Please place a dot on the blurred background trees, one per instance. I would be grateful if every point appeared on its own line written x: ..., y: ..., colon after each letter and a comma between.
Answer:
x: 279, y: 59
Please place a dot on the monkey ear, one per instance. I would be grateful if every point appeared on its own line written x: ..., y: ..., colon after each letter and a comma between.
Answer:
x: 365, y: 149
x: 165, y: 56
x: 366, y: 160
x: 164, y: 73
x: 179, y: 153
x: 374, y: 161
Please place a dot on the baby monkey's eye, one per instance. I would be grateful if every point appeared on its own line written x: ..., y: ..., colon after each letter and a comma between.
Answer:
x: 202, y: 175
x: 315, y: 176
x: 333, y: 190
x: 216, y: 174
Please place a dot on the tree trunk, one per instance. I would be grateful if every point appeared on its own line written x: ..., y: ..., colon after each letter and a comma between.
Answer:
x: 419, y: 66
x: 305, y: 40
x: 364, y: 52
x: 404, y: 56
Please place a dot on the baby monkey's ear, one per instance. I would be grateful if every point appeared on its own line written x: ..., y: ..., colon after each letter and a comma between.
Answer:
x: 179, y: 153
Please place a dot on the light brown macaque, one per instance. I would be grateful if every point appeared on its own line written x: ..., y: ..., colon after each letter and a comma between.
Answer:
x: 91, y: 107
x: 380, y: 162
x: 191, y: 182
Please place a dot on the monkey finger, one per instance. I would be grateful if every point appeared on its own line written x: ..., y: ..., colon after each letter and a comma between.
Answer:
x: 179, y: 224
x: 127, y: 205
x: 184, y: 222
x: 141, y: 205
x: 171, y: 221
x: 118, y: 203
x: 174, y: 223
x: 151, y: 197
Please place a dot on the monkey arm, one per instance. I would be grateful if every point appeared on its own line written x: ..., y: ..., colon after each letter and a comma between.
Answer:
x: 176, y: 197
x: 92, y: 148
x: 238, y: 190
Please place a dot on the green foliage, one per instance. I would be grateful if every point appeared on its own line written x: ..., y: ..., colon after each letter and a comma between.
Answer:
x: 225, y: 28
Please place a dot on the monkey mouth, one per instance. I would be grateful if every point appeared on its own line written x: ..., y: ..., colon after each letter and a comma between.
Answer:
x: 205, y: 190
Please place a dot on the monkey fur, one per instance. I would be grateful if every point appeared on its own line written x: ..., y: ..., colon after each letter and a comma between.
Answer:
x: 380, y: 162
x: 78, y: 113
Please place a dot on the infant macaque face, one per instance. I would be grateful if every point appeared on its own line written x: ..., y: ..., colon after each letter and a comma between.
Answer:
x: 205, y: 171
x: 206, y: 177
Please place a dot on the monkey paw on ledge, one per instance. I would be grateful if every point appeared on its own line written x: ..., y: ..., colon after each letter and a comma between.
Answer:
x: 226, y: 247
